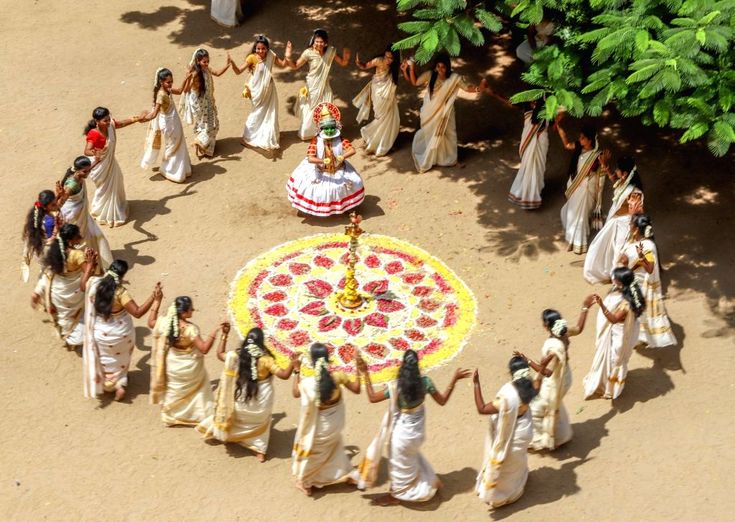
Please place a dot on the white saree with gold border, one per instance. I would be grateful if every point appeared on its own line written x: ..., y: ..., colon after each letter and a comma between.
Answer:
x: 504, y: 472
x: 246, y: 422
x: 261, y: 127
x: 614, y: 346
x: 318, y: 457
x: 317, y: 89
x: 380, y: 94
x: 551, y: 426
x: 109, y: 204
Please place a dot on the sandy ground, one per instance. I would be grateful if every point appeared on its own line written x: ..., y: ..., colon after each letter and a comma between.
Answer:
x: 662, y: 451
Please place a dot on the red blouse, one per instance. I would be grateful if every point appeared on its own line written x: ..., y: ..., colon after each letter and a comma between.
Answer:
x: 96, y: 138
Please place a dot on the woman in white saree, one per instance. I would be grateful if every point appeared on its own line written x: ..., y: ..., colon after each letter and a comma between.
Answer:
x: 261, y: 128
x: 244, y: 400
x: 166, y: 126
x: 640, y: 255
x: 551, y: 426
x: 618, y: 328
x: 606, y: 247
x: 179, y: 381
x: 319, y: 56
x: 435, y: 143
x: 584, y: 187
x: 109, y: 205
x: 74, y: 209
x: 198, y: 104
x: 318, y: 456
x: 109, y: 334
x: 504, y: 471
x: 59, y: 286
x: 380, y: 94
x: 403, y: 431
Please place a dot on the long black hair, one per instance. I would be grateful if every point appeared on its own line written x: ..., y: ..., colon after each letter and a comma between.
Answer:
x: 524, y: 385
x: 199, y: 55
x: 627, y: 164
x: 34, y: 233
x: 260, y: 39
x: 644, y: 225
x: 630, y: 289
x: 81, y: 162
x: 107, y: 286
x: 319, y: 33
x: 182, y: 304
x: 440, y: 58
x: 56, y: 253
x: 162, y: 74
x: 395, y: 66
x: 98, y: 114
x: 326, y: 383
x: 590, y: 132
x: 245, y: 376
x: 410, y: 384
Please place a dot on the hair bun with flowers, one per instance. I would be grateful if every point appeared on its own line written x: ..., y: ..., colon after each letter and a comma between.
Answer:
x: 559, y: 327
x: 648, y: 232
x: 523, y: 373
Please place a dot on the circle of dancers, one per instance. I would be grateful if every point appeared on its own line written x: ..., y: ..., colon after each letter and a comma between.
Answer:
x: 82, y: 287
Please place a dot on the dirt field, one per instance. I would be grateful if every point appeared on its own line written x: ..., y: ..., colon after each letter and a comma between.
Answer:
x: 663, y: 451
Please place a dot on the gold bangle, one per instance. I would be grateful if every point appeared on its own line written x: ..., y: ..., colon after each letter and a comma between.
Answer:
x: 223, y: 338
x: 585, y: 308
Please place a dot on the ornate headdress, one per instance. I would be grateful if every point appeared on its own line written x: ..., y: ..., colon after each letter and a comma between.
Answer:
x: 326, y: 113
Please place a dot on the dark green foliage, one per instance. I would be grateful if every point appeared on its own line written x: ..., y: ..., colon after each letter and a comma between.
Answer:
x: 670, y: 63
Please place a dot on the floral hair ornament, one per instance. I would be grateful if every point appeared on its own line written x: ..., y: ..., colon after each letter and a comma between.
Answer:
x: 523, y: 373
x: 36, y: 206
x: 320, y: 363
x: 116, y: 278
x: 255, y: 353
x: 61, y: 248
x: 558, y: 327
x: 648, y: 232
x: 172, y: 320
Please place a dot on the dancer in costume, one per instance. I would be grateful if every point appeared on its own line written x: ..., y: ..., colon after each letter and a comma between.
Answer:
x: 261, y: 128
x: 640, y: 255
x: 618, y: 328
x: 227, y: 13
x: 72, y: 197
x: 584, y: 187
x: 504, y: 472
x: 198, y: 105
x: 59, y: 286
x: 435, y: 143
x: 318, y: 457
x: 40, y: 227
x: 109, y: 334
x: 537, y: 36
x: 109, y: 205
x: 319, y: 56
x: 529, y: 181
x: 166, y: 124
x: 179, y: 381
x: 403, y: 430
x: 551, y: 426
x: 380, y: 94
x: 606, y: 247
x: 244, y: 400
x: 324, y: 183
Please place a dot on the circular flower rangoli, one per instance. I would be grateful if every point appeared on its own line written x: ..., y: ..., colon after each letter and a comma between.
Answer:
x: 414, y: 301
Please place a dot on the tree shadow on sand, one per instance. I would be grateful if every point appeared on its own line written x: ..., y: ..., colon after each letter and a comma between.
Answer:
x: 549, y: 484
